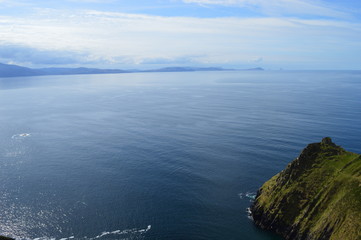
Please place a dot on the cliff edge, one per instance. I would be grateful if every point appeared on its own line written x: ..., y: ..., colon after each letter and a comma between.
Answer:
x: 317, y: 196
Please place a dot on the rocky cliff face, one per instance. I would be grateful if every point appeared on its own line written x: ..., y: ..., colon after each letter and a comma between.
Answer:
x: 317, y: 196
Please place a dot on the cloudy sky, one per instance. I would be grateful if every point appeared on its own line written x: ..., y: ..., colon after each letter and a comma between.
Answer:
x: 273, y: 34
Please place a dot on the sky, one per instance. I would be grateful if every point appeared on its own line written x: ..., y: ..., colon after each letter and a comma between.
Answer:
x: 149, y: 34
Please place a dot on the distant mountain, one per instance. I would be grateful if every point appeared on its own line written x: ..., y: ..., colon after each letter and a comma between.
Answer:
x: 198, y: 69
x: 8, y: 70
x: 254, y: 69
x: 81, y: 70
x: 186, y: 69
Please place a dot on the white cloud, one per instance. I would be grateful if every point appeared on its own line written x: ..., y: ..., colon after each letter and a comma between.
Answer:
x: 279, y: 7
x: 92, y: 1
x: 139, y: 39
x: 13, y: 3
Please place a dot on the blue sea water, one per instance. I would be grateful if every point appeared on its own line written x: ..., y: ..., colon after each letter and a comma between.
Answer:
x: 159, y: 155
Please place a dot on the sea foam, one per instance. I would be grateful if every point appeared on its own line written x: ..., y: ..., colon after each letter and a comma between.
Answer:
x: 20, y: 135
x: 133, y: 233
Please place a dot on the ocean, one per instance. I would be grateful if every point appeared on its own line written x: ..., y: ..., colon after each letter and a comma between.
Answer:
x: 159, y: 155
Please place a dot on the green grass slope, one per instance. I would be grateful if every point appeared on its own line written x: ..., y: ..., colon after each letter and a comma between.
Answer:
x: 317, y: 196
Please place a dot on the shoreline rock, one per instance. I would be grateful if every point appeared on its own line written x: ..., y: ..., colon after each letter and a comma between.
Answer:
x: 6, y: 238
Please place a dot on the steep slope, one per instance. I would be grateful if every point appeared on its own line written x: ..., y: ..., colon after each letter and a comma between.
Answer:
x: 317, y: 196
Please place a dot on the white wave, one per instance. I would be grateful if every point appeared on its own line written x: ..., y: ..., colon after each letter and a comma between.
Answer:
x: 21, y: 135
x: 249, y: 213
x: 133, y: 232
x: 249, y: 195
x: 72, y: 237
x: 44, y: 238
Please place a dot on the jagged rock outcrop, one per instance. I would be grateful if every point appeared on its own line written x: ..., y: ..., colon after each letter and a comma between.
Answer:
x: 317, y: 196
x: 6, y: 238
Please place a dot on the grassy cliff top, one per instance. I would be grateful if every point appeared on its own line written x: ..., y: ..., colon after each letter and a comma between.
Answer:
x: 317, y: 196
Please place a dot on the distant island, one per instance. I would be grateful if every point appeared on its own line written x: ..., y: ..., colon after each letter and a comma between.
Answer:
x: 9, y: 70
x: 317, y: 196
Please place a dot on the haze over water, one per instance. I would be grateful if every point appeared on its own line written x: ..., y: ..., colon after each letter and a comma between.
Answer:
x: 159, y: 155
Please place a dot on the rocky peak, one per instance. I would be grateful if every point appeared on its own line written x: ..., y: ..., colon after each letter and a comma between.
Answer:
x: 309, y: 157
x: 328, y: 141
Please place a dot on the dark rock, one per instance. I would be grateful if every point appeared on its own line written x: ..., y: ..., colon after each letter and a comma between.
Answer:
x: 328, y: 141
x: 6, y: 238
